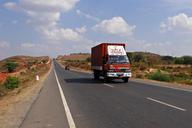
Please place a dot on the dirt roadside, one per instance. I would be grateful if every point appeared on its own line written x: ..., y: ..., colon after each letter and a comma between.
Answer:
x: 144, y: 81
x: 13, y: 108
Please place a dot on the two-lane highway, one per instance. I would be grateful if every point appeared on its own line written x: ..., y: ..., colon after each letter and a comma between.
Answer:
x: 74, y: 99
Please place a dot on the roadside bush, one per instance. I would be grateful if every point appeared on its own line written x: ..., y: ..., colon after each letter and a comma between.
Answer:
x: 160, y: 76
x: 184, y: 60
x: 189, y: 82
x: 12, y: 82
x: 187, y: 60
x: 179, y: 60
x: 138, y: 57
x: 11, y: 66
x: 88, y: 59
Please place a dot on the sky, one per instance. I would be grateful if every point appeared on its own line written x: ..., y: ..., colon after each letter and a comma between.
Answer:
x: 58, y: 27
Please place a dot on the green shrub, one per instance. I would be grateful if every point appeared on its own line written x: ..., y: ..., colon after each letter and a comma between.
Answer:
x: 160, y: 76
x: 189, y: 81
x: 179, y: 60
x: 184, y: 60
x: 187, y: 60
x: 11, y: 66
x: 12, y: 82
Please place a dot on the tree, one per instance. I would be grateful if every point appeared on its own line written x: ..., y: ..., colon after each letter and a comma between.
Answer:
x: 11, y: 66
x: 184, y: 60
x: 187, y: 59
x: 179, y: 60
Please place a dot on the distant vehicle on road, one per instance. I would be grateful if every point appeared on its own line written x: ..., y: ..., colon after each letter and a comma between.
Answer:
x: 110, y: 61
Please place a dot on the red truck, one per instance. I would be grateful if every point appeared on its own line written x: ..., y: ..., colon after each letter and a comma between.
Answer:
x: 110, y: 61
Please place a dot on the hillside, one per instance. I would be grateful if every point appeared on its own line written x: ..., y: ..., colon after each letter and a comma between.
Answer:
x: 20, y: 71
x: 23, y: 62
x: 77, y: 56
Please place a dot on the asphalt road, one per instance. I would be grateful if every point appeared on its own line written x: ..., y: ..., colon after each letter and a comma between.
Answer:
x: 75, y: 100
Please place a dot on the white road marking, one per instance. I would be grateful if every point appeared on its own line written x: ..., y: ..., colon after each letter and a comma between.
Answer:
x: 166, y: 104
x: 108, y: 85
x: 66, y: 107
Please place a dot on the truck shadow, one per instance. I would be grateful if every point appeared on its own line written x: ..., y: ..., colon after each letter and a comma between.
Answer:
x: 82, y: 80
x: 89, y: 81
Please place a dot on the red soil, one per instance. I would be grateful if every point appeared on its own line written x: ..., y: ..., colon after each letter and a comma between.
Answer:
x: 3, y: 77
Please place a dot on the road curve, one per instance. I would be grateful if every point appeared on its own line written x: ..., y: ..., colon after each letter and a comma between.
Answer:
x: 94, y: 104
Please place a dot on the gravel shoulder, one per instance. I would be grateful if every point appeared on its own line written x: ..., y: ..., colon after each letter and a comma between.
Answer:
x: 13, y: 108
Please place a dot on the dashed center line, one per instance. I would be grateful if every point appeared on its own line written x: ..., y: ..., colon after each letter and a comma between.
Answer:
x: 166, y: 104
x: 108, y: 85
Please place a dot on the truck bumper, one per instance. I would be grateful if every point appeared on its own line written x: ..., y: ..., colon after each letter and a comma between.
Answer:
x: 119, y: 74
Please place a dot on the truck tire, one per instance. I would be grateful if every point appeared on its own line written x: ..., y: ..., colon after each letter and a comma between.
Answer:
x: 126, y: 79
x: 106, y: 79
x: 96, y: 75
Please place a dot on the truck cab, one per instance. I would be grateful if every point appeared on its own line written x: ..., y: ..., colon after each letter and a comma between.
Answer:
x: 110, y: 61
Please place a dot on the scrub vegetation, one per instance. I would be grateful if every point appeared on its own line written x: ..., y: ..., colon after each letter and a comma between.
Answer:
x: 161, y: 68
x: 18, y: 72
x: 144, y: 65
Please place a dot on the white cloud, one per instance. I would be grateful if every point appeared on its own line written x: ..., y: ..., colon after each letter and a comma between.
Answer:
x: 60, y: 34
x: 115, y: 26
x: 48, y: 5
x: 179, y: 23
x: 11, y: 6
x: 27, y: 45
x: 44, y: 16
x: 81, y: 30
x: 4, y: 44
x: 88, y: 16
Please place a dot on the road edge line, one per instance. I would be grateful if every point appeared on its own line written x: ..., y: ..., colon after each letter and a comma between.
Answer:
x: 166, y: 104
x: 65, y: 105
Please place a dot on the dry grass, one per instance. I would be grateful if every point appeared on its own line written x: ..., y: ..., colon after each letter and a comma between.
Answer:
x: 74, y: 57
x: 28, y: 68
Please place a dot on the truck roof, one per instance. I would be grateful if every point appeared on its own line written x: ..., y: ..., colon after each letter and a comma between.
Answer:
x: 112, y: 43
x: 123, y: 44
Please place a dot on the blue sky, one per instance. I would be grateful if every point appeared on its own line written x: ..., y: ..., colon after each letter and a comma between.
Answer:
x: 57, y: 27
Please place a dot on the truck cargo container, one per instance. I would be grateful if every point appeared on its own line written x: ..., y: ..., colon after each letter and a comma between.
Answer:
x: 110, y: 61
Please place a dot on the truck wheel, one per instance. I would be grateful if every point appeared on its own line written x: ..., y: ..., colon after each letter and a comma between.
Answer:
x: 96, y: 75
x: 106, y: 79
x: 126, y: 79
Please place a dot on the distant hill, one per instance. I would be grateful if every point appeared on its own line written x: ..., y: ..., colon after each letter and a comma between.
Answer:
x: 74, y: 56
x: 22, y: 61
x: 145, y: 57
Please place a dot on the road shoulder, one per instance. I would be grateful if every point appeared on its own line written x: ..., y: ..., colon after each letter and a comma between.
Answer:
x: 15, y: 107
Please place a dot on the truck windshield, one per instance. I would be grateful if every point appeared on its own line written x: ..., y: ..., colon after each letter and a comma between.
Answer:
x: 118, y: 59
